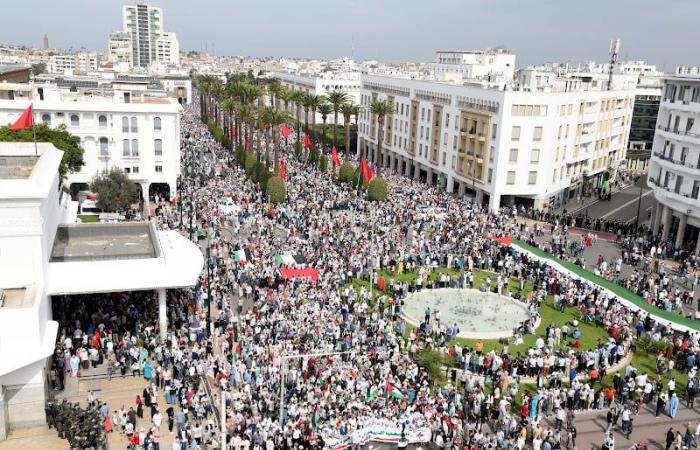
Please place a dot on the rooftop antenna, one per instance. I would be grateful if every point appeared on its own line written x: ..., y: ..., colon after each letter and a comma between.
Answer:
x: 352, y: 48
x: 614, y: 53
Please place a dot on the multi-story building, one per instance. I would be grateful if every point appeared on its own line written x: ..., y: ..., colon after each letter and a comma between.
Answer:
x: 323, y: 84
x: 490, y: 65
x: 674, y: 171
x: 168, y: 49
x: 120, y: 49
x: 503, y: 146
x: 145, y: 25
x: 129, y: 122
x: 78, y: 63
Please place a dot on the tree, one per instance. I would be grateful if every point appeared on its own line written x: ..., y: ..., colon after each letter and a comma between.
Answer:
x: 346, y: 172
x: 324, y: 109
x: 275, y: 118
x: 356, y: 115
x: 276, y: 190
x: 381, y: 109
x: 347, y: 109
x: 336, y: 98
x: 298, y: 99
x: 38, y: 68
x: 310, y: 103
x: 115, y: 191
x: 377, y: 190
x: 69, y: 144
x: 274, y: 88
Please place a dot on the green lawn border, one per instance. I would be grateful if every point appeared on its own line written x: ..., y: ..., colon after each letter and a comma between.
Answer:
x: 614, y: 288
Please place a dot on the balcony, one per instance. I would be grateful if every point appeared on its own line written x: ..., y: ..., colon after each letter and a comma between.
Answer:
x: 686, y: 166
x: 680, y: 201
x: 678, y: 132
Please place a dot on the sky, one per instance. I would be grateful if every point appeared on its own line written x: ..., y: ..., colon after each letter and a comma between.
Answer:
x: 662, y: 32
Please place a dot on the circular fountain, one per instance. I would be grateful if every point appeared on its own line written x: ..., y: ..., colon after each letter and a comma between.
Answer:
x: 479, y: 315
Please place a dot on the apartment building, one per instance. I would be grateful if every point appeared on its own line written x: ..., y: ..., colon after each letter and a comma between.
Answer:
x: 322, y: 84
x: 130, y: 123
x: 503, y: 146
x: 168, y: 49
x: 72, y: 63
x: 147, y: 41
x: 674, y: 171
x: 491, y: 65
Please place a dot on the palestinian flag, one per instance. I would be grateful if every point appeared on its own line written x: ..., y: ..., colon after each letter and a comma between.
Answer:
x: 393, y: 391
x: 299, y: 259
x: 241, y: 255
x: 372, y: 395
x: 284, y: 260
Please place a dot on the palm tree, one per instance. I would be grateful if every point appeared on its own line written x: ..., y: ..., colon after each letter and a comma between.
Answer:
x: 347, y: 109
x: 274, y: 88
x: 286, y: 96
x: 324, y: 109
x: 229, y: 105
x: 237, y: 90
x: 336, y: 98
x: 247, y: 114
x: 356, y: 116
x: 275, y: 118
x: 298, y: 99
x: 381, y: 109
x: 206, y: 85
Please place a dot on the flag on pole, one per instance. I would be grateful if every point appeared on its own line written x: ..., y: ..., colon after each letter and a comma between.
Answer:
x: 393, y: 391
x: 285, y: 131
x: 307, y: 141
x: 334, y: 157
x: 283, y: 173
x: 366, y: 171
x: 26, y: 120
x: 372, y: 395
x: 233, y: 132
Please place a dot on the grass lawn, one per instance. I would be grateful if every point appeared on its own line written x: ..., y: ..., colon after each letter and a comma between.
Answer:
x: 88, y: 218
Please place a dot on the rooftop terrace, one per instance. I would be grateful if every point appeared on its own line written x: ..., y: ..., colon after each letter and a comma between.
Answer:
x: 16, y: 167
x: 104, y: 242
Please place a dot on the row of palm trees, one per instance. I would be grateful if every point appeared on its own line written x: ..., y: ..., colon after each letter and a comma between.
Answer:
x: 238, y: 104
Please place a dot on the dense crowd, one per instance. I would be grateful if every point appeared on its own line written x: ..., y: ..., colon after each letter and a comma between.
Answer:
x: 327, y: 362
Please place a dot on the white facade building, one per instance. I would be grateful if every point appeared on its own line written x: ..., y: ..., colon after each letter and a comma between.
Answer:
x: 348, y: 82
x: 491, y: 65
x: 674, y: 170
x: 44, y: 254
x: 168, y: 49
x: 120, y: 49
x: 124, y: 126
x: 72, y: 63
x: 145, y: 25
x: 506, y: 147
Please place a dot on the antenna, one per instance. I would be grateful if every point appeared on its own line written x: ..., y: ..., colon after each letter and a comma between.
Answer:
x: 614, y: 53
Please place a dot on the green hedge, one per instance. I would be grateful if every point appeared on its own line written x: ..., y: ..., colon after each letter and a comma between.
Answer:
x: 347, y: 172
x: 616, y: 289
x: 377, y: 190
x: 276, y: 190
x: 323, y: 163
x: 298, y: 149
x: 313, y: 156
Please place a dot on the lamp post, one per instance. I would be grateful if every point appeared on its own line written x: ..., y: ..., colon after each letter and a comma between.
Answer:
x: 179, y: 199
x: 209, y: 321
x: 191, y: 218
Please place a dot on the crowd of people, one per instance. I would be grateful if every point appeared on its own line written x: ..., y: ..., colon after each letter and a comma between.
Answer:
x: 328, y: 362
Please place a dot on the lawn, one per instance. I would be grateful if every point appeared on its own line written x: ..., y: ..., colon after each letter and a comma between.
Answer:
x: 88, y: 218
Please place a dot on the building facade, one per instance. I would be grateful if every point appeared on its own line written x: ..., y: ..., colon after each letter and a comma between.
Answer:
x: 674, y: 170
x: 120, y: 49
x: 120, y: 127
x: 491, y: 65
x: 145, y: 24
x: 505, y: 147
x: 348, y: 82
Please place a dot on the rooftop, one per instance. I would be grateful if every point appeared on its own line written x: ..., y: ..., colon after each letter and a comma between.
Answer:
x: 103, y: 242
x: 16, y: 167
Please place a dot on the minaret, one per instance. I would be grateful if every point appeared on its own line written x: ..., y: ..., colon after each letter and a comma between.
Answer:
x: 46, y: 42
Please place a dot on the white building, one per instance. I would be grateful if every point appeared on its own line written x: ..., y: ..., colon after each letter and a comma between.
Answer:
x: 72, y: 63
x: 119, y: 48
x: 507, y: 147
x: 123, y: 125
x: 145, y: 24
x: 674, y: 171
x: 168, y: 49
x: 490, y: 65
x: 44, y: 255
x: 322, y: 85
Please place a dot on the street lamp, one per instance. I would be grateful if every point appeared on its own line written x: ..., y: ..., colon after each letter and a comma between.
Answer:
x: 191, y: 218
x: 179, y: 199
x: 209, y: 321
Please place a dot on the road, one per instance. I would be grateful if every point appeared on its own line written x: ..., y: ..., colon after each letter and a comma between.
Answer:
x: 623, y: 205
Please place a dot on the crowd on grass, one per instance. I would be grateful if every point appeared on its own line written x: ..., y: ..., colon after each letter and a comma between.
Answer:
x: 325, y: 362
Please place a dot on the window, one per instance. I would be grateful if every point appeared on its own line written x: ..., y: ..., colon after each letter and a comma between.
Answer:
x: 513, y: 157
x: 490, y: 175
x: 74, y: 120
x: 535, y: 155
x: 134, y: 147
x: 537, y: 136
x: 134, y: 125
x: 532, y: 178
x: 515, y: 134
x: 104, y: 150
x: 127, y: 169
x: 494, y: 128
x: 126, y: 148
x: 135, y: 169
x: 156, y: 123
x: 554, y: 178
x: 46, y: 118
x: 102, y: 120
x: 125, y: 124
x: 510, y: 178
x: 159, y: 169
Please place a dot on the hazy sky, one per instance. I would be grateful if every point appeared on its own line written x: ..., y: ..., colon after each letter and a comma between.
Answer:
x: 663, y: 32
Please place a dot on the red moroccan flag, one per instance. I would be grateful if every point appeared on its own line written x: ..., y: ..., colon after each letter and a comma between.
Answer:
x: 26, y: 120
x: 307, y: 141
x: 285, y: 131
x: 233, y: 132
x: 366, y: 170
x: 334, y: 157
x: 283, y: 173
